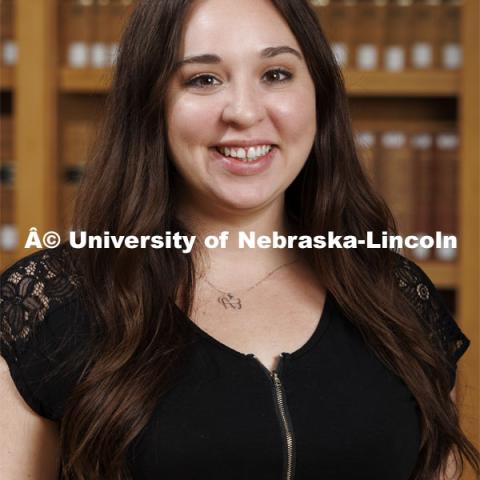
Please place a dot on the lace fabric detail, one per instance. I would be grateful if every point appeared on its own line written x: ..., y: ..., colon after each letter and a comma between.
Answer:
x: 28, y: 290
x: 427, y: 301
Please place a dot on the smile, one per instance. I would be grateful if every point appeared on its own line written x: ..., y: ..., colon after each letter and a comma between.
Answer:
x: 241, y: 164
x: 249, y: 154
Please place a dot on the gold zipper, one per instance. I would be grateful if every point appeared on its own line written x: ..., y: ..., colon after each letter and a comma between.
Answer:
x: 279, y: 392
x: 282, y: 413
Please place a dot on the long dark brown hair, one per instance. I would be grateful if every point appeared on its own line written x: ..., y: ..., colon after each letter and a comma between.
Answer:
x: 129, y: 189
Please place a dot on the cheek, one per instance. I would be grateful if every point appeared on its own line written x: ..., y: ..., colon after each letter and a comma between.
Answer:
x: 189, y: 124
x: 296, y: 117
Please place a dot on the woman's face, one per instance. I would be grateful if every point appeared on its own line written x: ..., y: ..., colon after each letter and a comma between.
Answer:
x: 243, y: 89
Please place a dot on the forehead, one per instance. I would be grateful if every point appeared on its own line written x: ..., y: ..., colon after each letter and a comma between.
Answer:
x: 234, y: 27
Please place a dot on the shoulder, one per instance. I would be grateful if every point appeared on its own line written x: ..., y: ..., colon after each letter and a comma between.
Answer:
x: 48, y: 274
x: 42, y: 327
x: 33, y: 287
x: 415, y: 284
x: 420, y: 291
x: 430, y: 306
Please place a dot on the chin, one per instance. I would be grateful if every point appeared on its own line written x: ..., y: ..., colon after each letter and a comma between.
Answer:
x: 247, y: 201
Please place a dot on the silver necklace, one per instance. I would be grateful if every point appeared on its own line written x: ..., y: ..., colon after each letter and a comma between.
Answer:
x: 234, y: 302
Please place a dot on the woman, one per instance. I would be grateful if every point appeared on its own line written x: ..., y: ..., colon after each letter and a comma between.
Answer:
x: 155, y: 363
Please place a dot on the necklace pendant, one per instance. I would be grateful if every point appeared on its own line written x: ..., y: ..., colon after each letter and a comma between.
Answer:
x: 230, y: 301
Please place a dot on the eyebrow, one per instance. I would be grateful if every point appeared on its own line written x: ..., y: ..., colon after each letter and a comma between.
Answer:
x: 211, y: 58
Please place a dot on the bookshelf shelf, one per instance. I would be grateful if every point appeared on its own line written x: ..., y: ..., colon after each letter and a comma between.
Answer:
x: 424, y: 84
x: 7, y: 78
x: 444, y: 275
x: 409, y: 83
x: 85, y: 80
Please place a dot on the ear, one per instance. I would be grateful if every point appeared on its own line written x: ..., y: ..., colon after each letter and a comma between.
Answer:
x: 452, y: 394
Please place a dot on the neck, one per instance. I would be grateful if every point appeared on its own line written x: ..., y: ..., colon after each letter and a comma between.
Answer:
x: 221, y: 263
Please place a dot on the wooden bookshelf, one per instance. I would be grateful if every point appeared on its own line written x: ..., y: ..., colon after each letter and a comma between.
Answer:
x: 7, y: 78
x: 84, y: 80
x: 403, y: 84
x: 38, y: 83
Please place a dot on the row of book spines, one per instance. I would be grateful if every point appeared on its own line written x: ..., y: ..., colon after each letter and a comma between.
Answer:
x: 90, y: 31
x: 366, y: 35
x: 417, y: 174
x: 92, y: 12
x: 395, y: 35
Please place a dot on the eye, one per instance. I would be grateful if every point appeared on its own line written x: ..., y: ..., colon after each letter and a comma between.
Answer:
x: 278, y: 75
x: 201, y: 81
x: 204, y: 81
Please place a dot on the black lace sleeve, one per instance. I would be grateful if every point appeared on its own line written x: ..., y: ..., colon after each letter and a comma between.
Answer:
x: 428, y: 302
x: 37, y: 310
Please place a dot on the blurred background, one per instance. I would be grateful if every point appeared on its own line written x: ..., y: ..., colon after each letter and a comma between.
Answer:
x: 412, y: 74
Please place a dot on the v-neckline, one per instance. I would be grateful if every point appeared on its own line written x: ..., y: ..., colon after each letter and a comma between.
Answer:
x: 320, y: 328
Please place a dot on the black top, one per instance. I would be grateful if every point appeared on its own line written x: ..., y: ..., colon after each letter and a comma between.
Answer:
x: 332, y: 410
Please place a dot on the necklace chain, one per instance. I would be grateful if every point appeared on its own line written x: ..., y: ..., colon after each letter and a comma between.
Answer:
x: 229, y: 300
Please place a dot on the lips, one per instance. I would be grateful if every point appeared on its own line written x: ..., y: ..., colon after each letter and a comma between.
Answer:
x: 253, y: 142
x: 249, y: 154
x: 243, y: 167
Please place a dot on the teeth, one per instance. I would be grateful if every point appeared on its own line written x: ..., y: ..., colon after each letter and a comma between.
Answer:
x: 247, y: 155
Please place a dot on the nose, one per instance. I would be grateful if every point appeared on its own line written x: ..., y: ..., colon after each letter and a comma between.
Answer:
x: 244, y: 106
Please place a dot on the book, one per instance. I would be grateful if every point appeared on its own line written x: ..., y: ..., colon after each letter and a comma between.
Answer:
x: 451, y: 54
x: 397, y: 39
x: 76, y: 136
x: 367, y: 152
x: 339, y: 29
x: 369, y: 24
x: 100, y: 50
x: 394, y: 173
x: 424, y: 49
x: 422, y: 150
x: 445, y: 179
x: 76, y: 32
